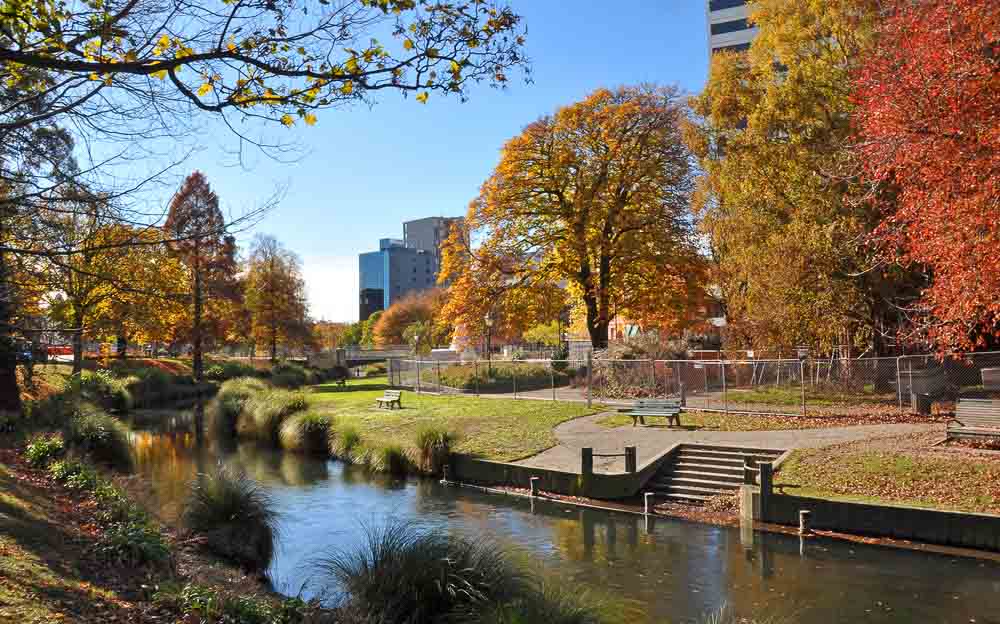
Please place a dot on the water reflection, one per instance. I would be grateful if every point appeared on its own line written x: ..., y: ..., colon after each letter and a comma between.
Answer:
x: 661, y: 569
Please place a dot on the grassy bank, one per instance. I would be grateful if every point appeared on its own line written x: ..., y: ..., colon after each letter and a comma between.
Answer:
x: 499, y: 429
x: 904, y: 470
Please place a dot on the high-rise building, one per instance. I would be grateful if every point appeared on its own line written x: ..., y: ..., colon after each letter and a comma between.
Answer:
x: 727, y: 25
x: 400, y: 267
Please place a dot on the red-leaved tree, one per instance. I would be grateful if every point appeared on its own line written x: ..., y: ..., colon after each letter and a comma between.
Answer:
x: 928, y: 120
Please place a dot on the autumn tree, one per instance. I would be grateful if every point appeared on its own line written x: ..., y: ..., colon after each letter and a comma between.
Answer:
x: 275, y: 295
x: 196, y: 228
x: 780, y: 201
x: 595, y: 196
x: 928, y: 115
x: 423, y: 307
x: 328, y: 335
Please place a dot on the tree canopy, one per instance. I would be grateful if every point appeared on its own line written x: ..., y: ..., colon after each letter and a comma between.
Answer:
x: 929, y: 129
x: 594, y: 197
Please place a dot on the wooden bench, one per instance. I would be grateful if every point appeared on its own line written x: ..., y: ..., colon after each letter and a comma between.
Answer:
x: 975, y: 418
x: 668, y: 408
x: 341, y: 381
x: 390, y: 399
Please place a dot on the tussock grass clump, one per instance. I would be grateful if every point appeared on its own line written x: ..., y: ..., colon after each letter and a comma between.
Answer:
x: 390, y: 458
x: 229, y: 370
x: 234, y: 515
x: 290, y: 375
x: 549, y: 601
x: 101, y: 436
x: 433, y: 447
x: 404, y: 574
x: 346, y: 442
x: 231, y: 399
x: 307, y: 433
x: 103, y: 388
x: 264, y: 412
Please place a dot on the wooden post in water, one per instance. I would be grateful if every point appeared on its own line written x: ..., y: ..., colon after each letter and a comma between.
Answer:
x: 805, y: 522
x: 647, y: 507
x: 587, y: 461
x: 533, y: 486
x: 630, y: 459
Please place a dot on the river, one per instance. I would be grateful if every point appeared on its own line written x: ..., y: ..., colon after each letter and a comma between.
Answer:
x: 662, y: 570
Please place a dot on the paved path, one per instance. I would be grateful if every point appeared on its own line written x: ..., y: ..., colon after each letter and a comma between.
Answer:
x: 653, y: 440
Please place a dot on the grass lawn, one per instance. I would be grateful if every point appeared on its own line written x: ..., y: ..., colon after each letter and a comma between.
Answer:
x: 499, y: 429
x: 792, y: 396
x: 860, y: 474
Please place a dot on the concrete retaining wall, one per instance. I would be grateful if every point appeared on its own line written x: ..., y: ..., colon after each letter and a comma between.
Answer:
x: 468, y: 469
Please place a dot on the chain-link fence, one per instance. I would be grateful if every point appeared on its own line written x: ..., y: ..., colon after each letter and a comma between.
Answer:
x: 836, y: 386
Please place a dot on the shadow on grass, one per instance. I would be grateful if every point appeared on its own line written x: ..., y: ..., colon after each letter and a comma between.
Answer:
x: 351, y: 388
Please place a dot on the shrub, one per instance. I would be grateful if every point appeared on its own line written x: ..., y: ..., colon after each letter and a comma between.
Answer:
x: 375, y: 370
x: 152, y: 380
x: 42, y: 449
x: 206, y: 604
x: 499, y: 377
x: 74, y: 475
x: 101, y: 436
x: 134, y: 543
x: 229, y: 370
x: 289, y: 375
x: 264, y: 412
x: 433, y: 447
x: 307, y: 433
x: 404, y: 574
x: 390, y: 458
x: 103, y: 388
x: 234, y: 515
x: 231, y: 399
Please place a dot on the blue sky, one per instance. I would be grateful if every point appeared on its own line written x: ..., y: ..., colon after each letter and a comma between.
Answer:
x: 363, y: 171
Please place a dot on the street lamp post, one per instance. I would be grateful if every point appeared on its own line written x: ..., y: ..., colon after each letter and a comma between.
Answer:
x: 489, y: 355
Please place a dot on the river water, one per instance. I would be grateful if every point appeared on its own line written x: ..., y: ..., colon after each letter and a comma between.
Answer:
x: 661, y: 570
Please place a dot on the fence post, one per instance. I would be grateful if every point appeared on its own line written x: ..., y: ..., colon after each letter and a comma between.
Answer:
x: 475, y: 365
x: 725, y: 393
x: 552, y: 378
x: 590, y: 374
x: 587, y: 461
x: 652, y: 377
x: 513, y: 366
x: 899, y: 385
x: 439, y: 375
x: 802, y: 384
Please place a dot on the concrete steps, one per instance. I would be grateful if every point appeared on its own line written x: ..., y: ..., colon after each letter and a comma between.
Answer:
x: 698, y: 472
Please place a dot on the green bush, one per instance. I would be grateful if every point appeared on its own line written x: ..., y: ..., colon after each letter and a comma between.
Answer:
x: 42, y: 449
x: 375, y: 370
x: 307, y: 433
x: 230, y: 401
x: 74, y: 475
x: 290, y: 375
x: 499, y: 377
x: 197, y: 603
x: 229, y: 370
x: 404, y: 574
x: 234, y: 515
x: 133, y: 543
x: 101, y: 436
x: 264, y: 412
x: 103, y: 388
x: 433, y: 447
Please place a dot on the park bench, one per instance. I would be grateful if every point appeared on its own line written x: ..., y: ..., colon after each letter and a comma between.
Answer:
x: 340, y: 381
x: 975, y: 418
x: 668, y: 408
x: 390, y: 398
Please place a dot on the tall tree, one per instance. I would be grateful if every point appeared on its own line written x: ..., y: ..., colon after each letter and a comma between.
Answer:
x: 275, y: 295
x: 595, y: 196
x: 780, y: 199
x: 929, y: 126
x: 419, y: 307
x: 197, y: 230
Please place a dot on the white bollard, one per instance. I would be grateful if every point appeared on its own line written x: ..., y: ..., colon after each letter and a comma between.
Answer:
x: 648, y: 499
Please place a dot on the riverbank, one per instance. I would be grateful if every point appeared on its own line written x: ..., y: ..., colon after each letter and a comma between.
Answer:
x: 56, y: 562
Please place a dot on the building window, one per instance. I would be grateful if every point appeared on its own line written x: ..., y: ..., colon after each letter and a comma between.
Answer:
x: 728, y: 27
x: 740, y: 47
x: 719, y: 5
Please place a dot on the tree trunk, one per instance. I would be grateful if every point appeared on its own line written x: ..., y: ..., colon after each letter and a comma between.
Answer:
x: 274, y: 344
x: 121, y: 344
x: 77, y: 342
x: 196, y: 357
x: 597, y: 327
x: 10, y: 395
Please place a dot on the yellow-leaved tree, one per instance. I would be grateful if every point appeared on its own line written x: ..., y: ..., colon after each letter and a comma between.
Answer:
x: 591, y: 205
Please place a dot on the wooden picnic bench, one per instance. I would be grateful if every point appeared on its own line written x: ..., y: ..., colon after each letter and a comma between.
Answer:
x: 668, y: 408
x: 975, y: 418
x: 390, y: 399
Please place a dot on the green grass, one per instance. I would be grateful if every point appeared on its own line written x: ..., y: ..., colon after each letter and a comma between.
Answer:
x: 890, y: 477
x: 722, y: 422
x: 792, y: 396
x: 498, y: 429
